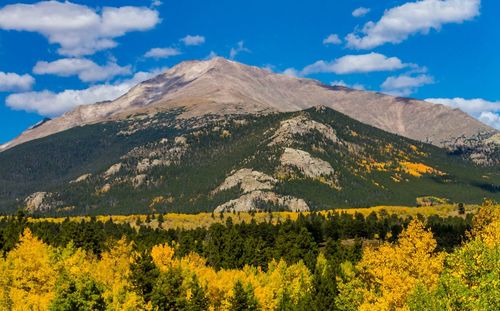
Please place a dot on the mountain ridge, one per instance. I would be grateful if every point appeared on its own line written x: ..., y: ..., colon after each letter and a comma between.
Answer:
x: 312, y: 159
x: 221, y: 87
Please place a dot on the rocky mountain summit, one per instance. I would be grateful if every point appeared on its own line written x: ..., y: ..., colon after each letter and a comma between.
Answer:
x: 221, y: 136
x: 223, y: 87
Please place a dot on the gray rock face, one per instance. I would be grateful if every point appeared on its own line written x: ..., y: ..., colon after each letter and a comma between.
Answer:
x: 250, y: 202
x: 38, y: 202
x: 308, y: 165
x: 248, y: 181
x: 219, y: 86
x: 300, y: 126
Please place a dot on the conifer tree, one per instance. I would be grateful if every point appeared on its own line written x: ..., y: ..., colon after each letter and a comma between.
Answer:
x: 243, y: 299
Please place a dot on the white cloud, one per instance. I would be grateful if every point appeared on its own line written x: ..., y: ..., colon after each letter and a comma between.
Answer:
x: 13, y: 82
x: 490, y: 118
x: 356, y: 86
x: 211, y: 55
x: 413, y: 17
x: 405, y: 84
x: 269, y: 67
x: 156, y: 3
x: 238, y: 49
x: 162, y: 52
x: 291, y: 72
x: 85, y: 69
x: 332, y: 39
x: 193, y: 40
x: 51, y: 104
x: 356, y: 64
x: 486, y: 111
x: 359, y: 12
x: 78, y: 29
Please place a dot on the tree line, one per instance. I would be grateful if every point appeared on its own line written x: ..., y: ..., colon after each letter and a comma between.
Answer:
x: 332, y: 261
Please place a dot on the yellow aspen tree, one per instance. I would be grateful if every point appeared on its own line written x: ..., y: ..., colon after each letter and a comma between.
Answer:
x: 388, y: 274
x: 31, y: 274
x: 5, y: 303
x: 471, y: 279
x: 269, y: 287
x: 163, y: 256
x: 113, y: 271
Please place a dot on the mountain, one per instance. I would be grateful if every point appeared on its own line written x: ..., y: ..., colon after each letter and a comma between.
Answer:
x: 221, y: 136
x: 307, y: 160
x: 221, y: 87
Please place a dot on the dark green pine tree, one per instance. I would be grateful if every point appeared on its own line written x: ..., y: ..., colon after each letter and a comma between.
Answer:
x: 143, y: 275
x: 198, y: 301
x: 78, y: 294
x: 325, y: 287
x: 168, y: 293
x: 160, y: 219
x: 243, y: 299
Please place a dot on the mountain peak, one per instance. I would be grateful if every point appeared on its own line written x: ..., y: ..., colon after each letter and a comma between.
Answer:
x: 194, y: 68
x: 219, y: 86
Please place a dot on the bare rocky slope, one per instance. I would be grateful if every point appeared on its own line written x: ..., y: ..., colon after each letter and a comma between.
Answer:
x: 222, y: 87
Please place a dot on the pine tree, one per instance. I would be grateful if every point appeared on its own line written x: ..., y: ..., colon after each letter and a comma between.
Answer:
x: 160, y: 219
x: 198, y: 301
x: 243, y: 299
x: 168, y: 293
x: 78, y: 294
x: 143, y: 275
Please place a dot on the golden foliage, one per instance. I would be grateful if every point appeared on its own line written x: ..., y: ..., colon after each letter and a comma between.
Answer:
x: 384, y: 279
x: 163, y: 256
x: 388, y: 274
x: 28, y: 275
x: 418, y: 169
x: 113, y: 270
x: 487, y: 225
x: 269, y: 287
x: 190, y: 221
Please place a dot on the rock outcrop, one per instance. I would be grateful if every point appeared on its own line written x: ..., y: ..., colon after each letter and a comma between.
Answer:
x: 247, y: 180
x: 307, y: 164
x: 254, y: 201
x: 292, y: 129
x: 39, y: 202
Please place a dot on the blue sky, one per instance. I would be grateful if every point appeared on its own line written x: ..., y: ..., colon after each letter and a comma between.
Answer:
x: 56, y: 55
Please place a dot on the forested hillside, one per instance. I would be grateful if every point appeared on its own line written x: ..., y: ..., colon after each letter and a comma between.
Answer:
x: 309, y: 160
x: 327, y: 261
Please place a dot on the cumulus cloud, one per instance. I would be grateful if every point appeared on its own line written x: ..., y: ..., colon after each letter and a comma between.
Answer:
x: 162, y: 52
x: 356, y: 86
x: 490, y: 118
x: 85, y: 69
x: 398, y: 23
x: 359, y: 12
x: 12, y: 82
x: 193, y: 40
x: 405, y: 84
x: 238, y: 49
x: 51, y: 104
x: 484, y: 110
x: 156, y: 3
x: 356, y: 64
x: 78, y: 29
x: 211, y: 55
x: 292, y: 72
x: 332, y: 39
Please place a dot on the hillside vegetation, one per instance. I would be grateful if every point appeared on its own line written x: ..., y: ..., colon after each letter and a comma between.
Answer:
x: 320, y: 261
x: 193, y: 221
x: 311, y: 160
